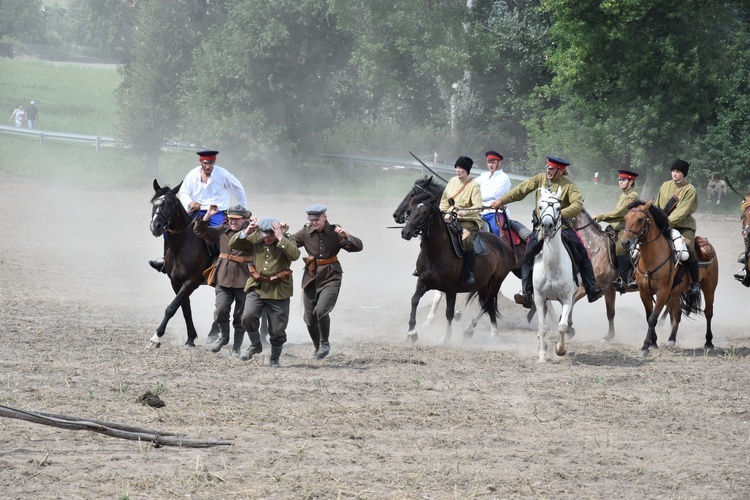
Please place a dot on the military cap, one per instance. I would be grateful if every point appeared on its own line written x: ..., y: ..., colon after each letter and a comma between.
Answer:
x: 237, y: 212
x: 680, y: 165
x: 208, y: 154
x: 557, y: 162
x: 493, y: 155
x: 266, y: 224
x: 464, y: 162
x: 315, y: 211
x: 628, y: 174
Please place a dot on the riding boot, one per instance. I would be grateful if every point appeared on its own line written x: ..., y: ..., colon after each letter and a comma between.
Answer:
x: 222, y: 340
x: 239, y: 337
x: 314, y: 331
x: 622, y: 283
x: 213, y: 334
x: 254, y: 348
x: 273, y: 361
x: 589, y: 280
x: 325, y: 328
x: 157, y: 264
x: 470, y: 258
x: 525, y: 296
x: 692, y: 265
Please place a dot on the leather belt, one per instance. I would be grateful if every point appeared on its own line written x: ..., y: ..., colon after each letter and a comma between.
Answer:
x: 325, y: 262
x: 235, y: 258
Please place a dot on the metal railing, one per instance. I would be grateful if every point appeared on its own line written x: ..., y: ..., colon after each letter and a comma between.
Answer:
x: 43, y: 135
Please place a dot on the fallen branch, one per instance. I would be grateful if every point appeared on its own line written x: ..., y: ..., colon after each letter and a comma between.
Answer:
x: 110, y: 429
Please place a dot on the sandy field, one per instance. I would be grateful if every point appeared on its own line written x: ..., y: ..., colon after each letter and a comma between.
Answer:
x: 378, y: 418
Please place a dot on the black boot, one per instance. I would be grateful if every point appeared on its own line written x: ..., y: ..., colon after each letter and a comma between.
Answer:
x: 275, y: 355
x: 325, y: 328
x: 589, y: 280
x: 157, y: 264
x: 314, y: 331
x: 470, y: 259
x: 239, y: 337
x: 624, y: 266
x: 692, y: 265
x: 255, y: 346
x: 526, y: 296
x: 222, y: 340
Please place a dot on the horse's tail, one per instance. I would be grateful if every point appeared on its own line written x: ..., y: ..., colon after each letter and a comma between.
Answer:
x: 690, y: 304
x: 488, y: 305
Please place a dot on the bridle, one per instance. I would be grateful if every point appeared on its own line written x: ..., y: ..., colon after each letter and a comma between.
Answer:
x: 554, y: 205
x: 639, y: 241
x: 423, y: 229
x: 159, y: 204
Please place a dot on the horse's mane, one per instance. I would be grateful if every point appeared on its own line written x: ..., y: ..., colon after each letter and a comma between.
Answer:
x: 161, y: 192
x: 432, y: 190
x: 660, y: 217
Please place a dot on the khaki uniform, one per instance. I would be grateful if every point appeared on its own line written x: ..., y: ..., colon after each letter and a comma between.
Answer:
x: 269, y: 260
x: 616, y: 218
x: 470, y: 201
x: 570, y: 199
x: 232, y: 273
x: 681, y: 217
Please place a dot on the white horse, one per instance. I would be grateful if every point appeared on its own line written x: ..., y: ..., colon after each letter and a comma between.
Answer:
x: 553, y: 272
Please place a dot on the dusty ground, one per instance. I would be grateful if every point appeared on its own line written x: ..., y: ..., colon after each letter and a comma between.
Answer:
x: 379, y: 418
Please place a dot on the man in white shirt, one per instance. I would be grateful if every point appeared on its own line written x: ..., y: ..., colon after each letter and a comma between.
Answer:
x: 205, y: 185
x: 493, y: 185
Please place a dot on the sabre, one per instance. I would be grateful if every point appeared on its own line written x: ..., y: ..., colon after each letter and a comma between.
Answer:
x: 428, y: 168
x: 732, y: 188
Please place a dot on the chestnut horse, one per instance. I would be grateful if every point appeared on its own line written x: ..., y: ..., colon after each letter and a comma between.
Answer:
x: 658, y: 274
x: 746, y: 237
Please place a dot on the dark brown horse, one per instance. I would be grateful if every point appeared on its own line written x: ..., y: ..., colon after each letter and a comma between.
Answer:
x: 185, y: 260
x: 438, y: 266
x: 658, y: 275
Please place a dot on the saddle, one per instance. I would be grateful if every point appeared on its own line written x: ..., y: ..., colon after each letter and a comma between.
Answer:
x: 456, y: 231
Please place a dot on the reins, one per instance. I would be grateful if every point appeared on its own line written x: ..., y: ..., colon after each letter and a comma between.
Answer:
x: 644, y: 232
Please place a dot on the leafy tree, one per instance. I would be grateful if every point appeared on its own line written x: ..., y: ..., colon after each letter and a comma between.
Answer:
x: 634, y: 80
x: 161, y: 52
x: 22, y: 20
x: 105, y: 25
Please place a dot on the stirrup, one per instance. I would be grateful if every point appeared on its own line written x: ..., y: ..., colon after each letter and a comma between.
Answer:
x: 523, y: 300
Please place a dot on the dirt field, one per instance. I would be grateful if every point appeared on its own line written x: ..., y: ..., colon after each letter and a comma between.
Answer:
x: 379, y: 418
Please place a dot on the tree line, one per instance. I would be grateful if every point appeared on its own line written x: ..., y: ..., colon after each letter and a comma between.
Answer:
x: 607, y: 84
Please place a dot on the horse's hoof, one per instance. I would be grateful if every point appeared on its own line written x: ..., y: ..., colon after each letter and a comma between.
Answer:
x: 562, y: 352
x: 153, y: 345
x: 412, y: 337
x: 190, y: 343
x: 709, y: 347
x: 609, y: 337
x: 643, y: 353
x: 670, y: 343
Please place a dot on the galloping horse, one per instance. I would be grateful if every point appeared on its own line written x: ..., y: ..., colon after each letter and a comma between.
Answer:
x: 438, y: 266
x: 597, y: 243
x: 553, y: 272
x: 185, y: 260
x: 658, y: 274
x: 429, y: 185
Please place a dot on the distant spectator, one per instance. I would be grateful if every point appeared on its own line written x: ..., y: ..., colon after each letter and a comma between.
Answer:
x: 716, y: 189
x: 18, y: 115
x: 31, y: 114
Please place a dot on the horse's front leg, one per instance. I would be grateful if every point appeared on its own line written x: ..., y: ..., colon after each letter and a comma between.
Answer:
x: 187, y: 313
x: 182, y: 293
x: 450, y: 306
x: 562, y: 327
x: 675, y: 315
x: 609, y: 300
x: 433, y: 309
x: 421, y: 289
x: 652, y: 318
x: 541, y: 332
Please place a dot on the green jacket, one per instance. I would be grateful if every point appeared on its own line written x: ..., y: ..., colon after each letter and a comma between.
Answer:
x: 681, y: 217
x: 269, y: 260
x: 570, y: 199
x: 616, y: 217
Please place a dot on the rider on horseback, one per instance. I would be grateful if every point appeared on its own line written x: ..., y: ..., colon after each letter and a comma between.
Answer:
x: 493, y: 185
x: 616, y: 218
x: 572, y: 204
x: 462, y: 199
x: 679, y: 199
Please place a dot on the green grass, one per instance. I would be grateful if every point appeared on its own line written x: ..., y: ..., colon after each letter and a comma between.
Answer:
x: 70, y: 97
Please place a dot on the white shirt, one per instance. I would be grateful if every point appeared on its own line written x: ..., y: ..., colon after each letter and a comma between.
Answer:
x: 214, y: 192
x: 493, y: 186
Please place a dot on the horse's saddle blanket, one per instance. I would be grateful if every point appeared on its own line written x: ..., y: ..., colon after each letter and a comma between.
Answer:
x: 455, y: 230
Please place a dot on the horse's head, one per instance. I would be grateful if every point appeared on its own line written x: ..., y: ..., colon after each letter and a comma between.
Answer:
x: 549, y: 207
x: 638, y: 224
x: 423, y: 188
x: 418, y: 220
x: 165, y: 207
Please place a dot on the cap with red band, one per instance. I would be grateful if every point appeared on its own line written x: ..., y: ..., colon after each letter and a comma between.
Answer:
x: 493, y: 155
x: 207, y: 154
x: 557, y: 162
x: 628, y: 174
